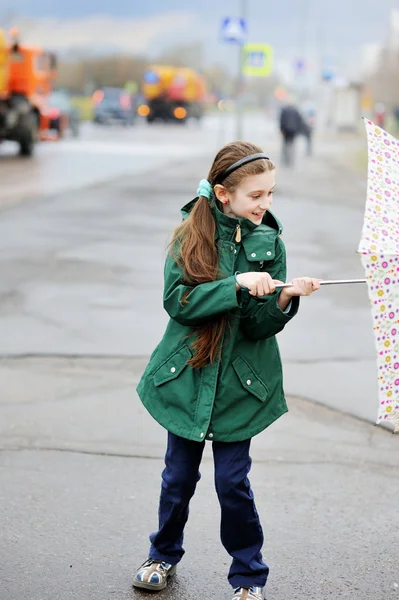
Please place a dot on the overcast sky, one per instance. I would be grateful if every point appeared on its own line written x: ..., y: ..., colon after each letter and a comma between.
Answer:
x: 295, y: 28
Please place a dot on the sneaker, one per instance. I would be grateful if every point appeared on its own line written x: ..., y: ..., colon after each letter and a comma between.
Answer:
x: 154, y: 575
x: 253, y: 593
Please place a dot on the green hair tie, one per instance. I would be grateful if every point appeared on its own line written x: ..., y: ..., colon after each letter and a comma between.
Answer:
x: 205, y: 189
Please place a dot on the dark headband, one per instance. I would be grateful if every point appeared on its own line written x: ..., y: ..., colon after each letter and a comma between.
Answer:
x: 238, y: 164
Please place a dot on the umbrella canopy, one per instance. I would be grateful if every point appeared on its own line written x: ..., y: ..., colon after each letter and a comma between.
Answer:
x: 379, y: 247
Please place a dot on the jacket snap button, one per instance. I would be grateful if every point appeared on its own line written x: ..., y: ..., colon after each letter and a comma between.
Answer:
x: 201, y: 435
x: 211, y: 435
x: 253, y: 254
x: 249, y: 382
x: 235, y: 251
x: 268, y: 253
x: 173, y: 370
x: 231, y: 248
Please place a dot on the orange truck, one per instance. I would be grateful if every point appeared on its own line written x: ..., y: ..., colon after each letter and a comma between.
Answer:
x: 172, y: 93
x: 26, y: 74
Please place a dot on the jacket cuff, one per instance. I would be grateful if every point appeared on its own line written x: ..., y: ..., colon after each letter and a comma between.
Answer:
x: 233, y: 297
x: 284, y: 315
x: 288, y: 308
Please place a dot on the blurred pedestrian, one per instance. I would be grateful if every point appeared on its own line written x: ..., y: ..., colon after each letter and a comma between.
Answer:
x: 216, y: 374
x: 291, y: 125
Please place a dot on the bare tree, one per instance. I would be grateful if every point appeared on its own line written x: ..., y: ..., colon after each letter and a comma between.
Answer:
x: 114, y: 71
x: 384, y: 82
x: 79, y: 73
x: 187, y: 55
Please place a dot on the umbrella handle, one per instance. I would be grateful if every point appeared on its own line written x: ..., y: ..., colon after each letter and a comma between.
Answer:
x: 326, y: 282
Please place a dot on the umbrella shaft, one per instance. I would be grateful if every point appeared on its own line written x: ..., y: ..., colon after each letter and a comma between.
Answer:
x: 327, y: 282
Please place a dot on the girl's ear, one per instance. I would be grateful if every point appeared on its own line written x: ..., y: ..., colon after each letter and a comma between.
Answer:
x: 221, y: 193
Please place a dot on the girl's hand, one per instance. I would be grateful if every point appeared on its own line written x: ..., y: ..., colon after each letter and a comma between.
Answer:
x: 302, y: 286
x: 258, y: 284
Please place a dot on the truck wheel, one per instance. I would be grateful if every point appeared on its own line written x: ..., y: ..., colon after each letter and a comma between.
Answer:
x: 28, y: 134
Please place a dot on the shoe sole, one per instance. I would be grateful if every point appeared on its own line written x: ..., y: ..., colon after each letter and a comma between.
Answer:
x: 155, y: 587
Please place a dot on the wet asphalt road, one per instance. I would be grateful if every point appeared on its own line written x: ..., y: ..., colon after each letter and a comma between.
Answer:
x: 83, y: 228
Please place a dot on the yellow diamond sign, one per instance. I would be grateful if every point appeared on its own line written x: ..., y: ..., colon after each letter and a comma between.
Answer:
x: 257, y: 60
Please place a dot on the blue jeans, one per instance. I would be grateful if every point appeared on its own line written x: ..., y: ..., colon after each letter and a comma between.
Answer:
x: 241, y: 531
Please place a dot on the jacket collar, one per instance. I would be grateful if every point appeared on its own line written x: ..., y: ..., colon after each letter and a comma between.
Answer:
x: 227, y: 226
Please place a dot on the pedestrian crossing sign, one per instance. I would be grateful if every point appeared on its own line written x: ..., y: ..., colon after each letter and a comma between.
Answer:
x: 234, y: 29
x: 257, y: 60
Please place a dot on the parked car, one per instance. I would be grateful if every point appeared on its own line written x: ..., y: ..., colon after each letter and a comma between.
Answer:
x: 61, y: 114
x: 114, y: 105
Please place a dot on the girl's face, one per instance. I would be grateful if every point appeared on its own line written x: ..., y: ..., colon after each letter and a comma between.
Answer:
x: 250, y: 199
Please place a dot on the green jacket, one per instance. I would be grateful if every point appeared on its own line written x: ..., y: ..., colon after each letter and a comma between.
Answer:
x: 239, y: 396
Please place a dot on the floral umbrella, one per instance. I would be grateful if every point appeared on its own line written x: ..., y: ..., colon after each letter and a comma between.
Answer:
x: 379, y: 248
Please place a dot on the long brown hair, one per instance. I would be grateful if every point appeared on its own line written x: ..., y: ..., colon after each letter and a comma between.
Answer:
x: 198, y: 255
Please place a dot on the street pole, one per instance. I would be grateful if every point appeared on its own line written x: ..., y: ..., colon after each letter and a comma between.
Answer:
x: 240, y: 78
x: 305, y: 74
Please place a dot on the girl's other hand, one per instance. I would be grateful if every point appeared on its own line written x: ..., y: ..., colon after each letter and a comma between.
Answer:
x: 301, y: 286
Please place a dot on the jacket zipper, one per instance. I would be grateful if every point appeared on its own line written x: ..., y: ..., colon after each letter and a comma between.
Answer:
x: 237, y: 233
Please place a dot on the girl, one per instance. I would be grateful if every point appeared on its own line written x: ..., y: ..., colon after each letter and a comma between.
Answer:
x: 216, y: 375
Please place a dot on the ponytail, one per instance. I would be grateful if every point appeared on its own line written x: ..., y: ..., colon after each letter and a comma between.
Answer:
x: 198, y: 257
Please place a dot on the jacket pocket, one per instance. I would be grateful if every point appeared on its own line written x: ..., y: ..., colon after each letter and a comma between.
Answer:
x: 172, y: 366
x: 249, y: 379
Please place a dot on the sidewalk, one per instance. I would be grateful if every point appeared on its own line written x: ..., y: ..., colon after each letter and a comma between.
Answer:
x: 80, y: 474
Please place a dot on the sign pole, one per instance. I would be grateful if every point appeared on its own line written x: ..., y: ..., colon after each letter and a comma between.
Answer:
x: 240, y: 78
